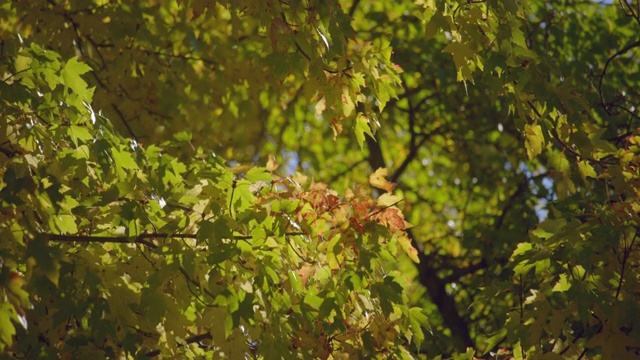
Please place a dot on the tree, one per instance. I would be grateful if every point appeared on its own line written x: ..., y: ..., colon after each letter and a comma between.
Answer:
x: 505, y: 132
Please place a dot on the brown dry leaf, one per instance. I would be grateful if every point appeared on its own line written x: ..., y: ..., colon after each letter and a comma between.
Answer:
x: 306, y: 272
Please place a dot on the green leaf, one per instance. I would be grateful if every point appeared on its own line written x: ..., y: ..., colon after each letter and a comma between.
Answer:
x: 66, y: 224
x: 72, y: 79
x: 313, y: 301
x: 418, y: 321
x: 183, y: 136
x: 256, y: 174
x: 124, y: 160
x: 407, y: 247
x: 7, y: 329
x: 563, y: 284
x: 362, y: 128
x: 294, y: 280
x: 496, y: 338
x: 521, y: 249
x: 586, y: 170
x: 534, y: 140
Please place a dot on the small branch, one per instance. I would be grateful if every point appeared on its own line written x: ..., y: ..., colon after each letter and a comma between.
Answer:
x: 185, y: 57
x: 522, y: 187
x: 565, y: 146
x: 124, y: 121
x: 413, y: 152
x: 354, y: 6
x: 625, y: 257
x: 630, y: 11
x: 460, y: 272
x: 187, y: 341
x: 606, y: 106
x: 346, y: 171
x: 139, y: 239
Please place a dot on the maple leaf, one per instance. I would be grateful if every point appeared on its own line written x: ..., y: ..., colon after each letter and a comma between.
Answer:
x: 393, y: 219
x: 378, y: 180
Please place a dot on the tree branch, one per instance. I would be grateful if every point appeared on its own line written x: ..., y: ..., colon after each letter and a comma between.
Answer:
x: 142, y: 239
x: 436, y: 287
x: 428, y: 274
x: 187, y: 341
x: 607, y: 106
x: 413, y: 152
x: 625, y: 257
x: 354, y: 6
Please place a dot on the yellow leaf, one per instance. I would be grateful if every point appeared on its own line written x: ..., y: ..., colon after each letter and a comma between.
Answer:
x: 377, y: 180
x: 272, y: 164
x: 405, y: 243
x: 387, y: 200
x: 240, y: 168
x: 533, y: 140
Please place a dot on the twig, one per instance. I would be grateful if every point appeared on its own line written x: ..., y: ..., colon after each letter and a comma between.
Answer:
x: 565, y: 146
x: 606, y: 106
x: 354, y: 6
x: 139, y: 239
x: 625, y: 257
x: 187, y: 341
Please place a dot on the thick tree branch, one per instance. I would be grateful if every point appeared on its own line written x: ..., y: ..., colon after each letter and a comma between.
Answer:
x: 376, y: 159
x: 428, y: 274
x: 436, y: 287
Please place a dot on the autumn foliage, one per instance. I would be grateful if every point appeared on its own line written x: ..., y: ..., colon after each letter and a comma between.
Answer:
x: 319, y: 179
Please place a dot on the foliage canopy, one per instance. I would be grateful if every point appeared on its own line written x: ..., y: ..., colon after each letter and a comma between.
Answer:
x: 319, y: 179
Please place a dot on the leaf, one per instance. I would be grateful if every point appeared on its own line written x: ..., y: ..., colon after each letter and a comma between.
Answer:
x: 45, y: 259
x: 72, y: 79
x: 16, y: 293
x: 496, y: 338
x: 256, y: 174
x: 362, y: 128
x: 295, y: 281
x: 562, y: 285
x: 347, y: 102
x: 387, y: 200
x: 533, y: 140
x: 405, y: 244
x: 586, y: 170
x: 418, y: 321
x: 272, y: 164
x: 124, y: 160
x: 393, y: 219
x: 378, y: 180
x: 66, y: 224
x: 521, y: 249
x: 313, y: 301
x: 7, y: 329
x: 461, y: 53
